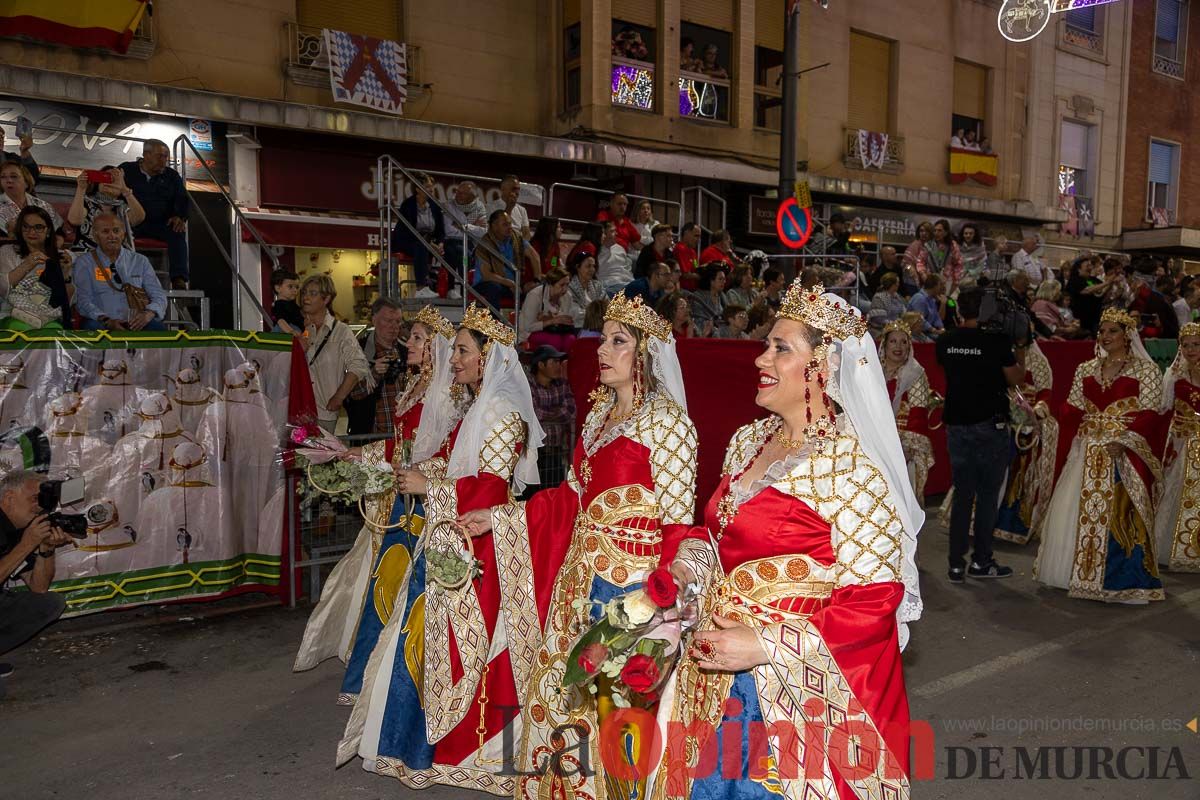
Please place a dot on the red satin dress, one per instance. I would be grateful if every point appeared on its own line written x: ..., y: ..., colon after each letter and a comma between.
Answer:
x: 800, y: 579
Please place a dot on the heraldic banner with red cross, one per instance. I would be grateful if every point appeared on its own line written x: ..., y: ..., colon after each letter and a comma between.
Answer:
x: 367, y: 71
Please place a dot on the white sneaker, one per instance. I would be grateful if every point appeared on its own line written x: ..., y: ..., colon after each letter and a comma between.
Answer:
x: 454, y: 294
x: 425, y: 293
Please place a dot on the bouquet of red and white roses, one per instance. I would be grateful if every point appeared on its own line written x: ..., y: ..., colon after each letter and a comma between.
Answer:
x: 635, y: 641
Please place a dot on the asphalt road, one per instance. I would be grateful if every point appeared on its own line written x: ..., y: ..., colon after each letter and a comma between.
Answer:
x: 201, y: 701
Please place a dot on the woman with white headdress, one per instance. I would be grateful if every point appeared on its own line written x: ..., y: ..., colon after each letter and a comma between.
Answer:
x: 912, y: 399
x: 1177, y: 522
x: 192, y: 397
x: 623, y: 511
x: 141, y: 461
x: 812, y: 581
x: 183, y: 522
x: 360, y: 595
x: 1097, y: 541
x: 413, y: 720
x: 1030, y: 481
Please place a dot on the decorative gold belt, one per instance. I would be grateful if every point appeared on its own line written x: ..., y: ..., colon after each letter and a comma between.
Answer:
x: 769, y: 590
x: 1185, y: 424
x: 1103, y: 425
x: 616, y: 553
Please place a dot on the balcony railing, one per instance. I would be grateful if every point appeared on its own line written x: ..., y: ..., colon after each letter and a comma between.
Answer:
x: 1160, y: 217
x: 1091, y: 41
x: 1168, y: 66
x: 632, y: 84
x: 893, y: 155
x: 308, y: 63
x: 703, y: 96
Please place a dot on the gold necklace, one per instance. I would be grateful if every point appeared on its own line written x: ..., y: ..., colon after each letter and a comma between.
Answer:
x: 617, y: 419
x: 786, y: 443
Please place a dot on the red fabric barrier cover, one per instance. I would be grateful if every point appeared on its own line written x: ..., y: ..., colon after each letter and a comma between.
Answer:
x: 721, y: 382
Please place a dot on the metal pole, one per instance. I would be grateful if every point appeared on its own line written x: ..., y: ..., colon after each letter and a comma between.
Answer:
x: 791, y: 102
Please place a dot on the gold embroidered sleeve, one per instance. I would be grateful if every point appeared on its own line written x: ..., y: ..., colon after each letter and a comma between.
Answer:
x: 375, y: 453
x: 671, y: 439
x: 1075, y: 397
x: 500, y: 452
x: 433, y: 468
x: 1150, y: 384
x: 1043, y: 378
x: 919, y: 395
x: 866, y: 529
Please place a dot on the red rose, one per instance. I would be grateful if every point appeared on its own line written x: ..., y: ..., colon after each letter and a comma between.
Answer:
x: 640, y: 673
x: 661, y: 588
x: 592, y: 657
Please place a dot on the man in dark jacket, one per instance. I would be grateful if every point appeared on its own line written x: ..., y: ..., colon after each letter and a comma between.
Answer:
x: 162, y: 193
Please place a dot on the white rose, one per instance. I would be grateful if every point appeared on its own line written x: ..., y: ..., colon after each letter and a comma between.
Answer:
x: 639, y: 608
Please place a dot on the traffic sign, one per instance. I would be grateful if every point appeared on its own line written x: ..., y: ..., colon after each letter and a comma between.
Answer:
x: 793, y: 224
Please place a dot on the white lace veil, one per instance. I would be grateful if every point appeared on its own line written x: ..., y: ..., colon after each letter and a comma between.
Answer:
x: 908, y: 374
x: 1178, y: 369
x: 665, y: 364
x: 438, y: 414
x: 857, y: 384
x: 504, y: 390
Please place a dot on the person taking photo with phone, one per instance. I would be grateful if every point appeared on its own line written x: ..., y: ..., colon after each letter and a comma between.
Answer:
x: 27, y: 545
x: 24, y: 136
x: 97, y: 191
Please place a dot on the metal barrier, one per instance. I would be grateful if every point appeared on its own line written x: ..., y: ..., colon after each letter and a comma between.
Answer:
x: 390, y: 216
x: 554, y: 457
x: 701, y: 216
x: 667, y: 204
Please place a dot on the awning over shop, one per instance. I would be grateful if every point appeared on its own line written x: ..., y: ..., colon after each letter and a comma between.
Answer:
x: 308, y: 229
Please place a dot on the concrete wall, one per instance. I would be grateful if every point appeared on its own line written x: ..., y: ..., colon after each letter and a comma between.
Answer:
x: 1165, y: 108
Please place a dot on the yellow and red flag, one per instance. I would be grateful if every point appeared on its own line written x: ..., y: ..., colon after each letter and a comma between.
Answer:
x: 75, y: 23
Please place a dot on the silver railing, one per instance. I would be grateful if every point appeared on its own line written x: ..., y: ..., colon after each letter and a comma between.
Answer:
x: 669, y: 205
x: 700, y: 202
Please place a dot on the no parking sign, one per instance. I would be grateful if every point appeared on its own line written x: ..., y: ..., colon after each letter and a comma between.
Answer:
x: 793, y: 224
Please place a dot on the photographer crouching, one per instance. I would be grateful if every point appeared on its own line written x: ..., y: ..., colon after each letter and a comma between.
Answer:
x: 980, y: 366
x: 27, y: 543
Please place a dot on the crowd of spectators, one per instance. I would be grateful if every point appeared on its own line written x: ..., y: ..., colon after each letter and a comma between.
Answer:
x: 83, y: 271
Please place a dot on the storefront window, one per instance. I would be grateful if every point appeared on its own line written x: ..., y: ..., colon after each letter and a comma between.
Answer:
x: 633, y: 65
x: 704, y: 72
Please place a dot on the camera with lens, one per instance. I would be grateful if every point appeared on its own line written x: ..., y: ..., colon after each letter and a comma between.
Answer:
x: 999, y: 314
x: 394, y: 368
x: 53, y: 495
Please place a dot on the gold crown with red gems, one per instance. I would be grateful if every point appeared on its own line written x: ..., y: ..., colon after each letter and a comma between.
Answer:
x: 810, y: 306
x: 430, y: 317
x: 895, y: 326
x: 637, y: 314
x: 481, y: 321
x: 1122, y: 318
x: 1191, y: 329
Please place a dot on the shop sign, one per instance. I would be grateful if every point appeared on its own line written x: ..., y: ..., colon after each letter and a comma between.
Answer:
x: 86, y: 139
x: 762, y: 215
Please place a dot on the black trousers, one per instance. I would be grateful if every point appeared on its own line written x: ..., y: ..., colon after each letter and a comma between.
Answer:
x: 23, y: 614
x: 979, y: 458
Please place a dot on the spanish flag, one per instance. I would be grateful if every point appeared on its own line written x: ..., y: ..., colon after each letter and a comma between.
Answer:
x: 75, y: 23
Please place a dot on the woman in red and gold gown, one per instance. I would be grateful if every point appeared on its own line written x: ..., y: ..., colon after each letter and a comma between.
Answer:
x: 439, y: 687
x: 814, y: 524
x: 1097, y: 541
x: 908, y: 389
x: 623, y: 510
x: 360, y: 593
x: 1030, y: 479
x: 1177, y: 523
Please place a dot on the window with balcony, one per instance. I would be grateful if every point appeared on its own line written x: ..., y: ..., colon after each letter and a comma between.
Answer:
x: 768, y: 88
x: 633, y: 59
x: 870, y: 98
x: 1162, y: 186
x: 1076, y: 169
x: 1170, y: 37
x: 705, y: 72
x: 1083, y: 29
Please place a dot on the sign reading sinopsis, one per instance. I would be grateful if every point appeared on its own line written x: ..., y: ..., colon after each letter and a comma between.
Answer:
x: 88, y: 141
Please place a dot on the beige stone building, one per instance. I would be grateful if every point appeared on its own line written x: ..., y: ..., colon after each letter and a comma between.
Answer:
x: 674, y: 99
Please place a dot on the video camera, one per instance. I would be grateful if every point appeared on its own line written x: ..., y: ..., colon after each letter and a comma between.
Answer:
x: 52, y: 495
x: 999, y: 314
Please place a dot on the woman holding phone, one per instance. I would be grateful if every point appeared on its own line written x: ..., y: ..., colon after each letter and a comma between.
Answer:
x: 97, y: 191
